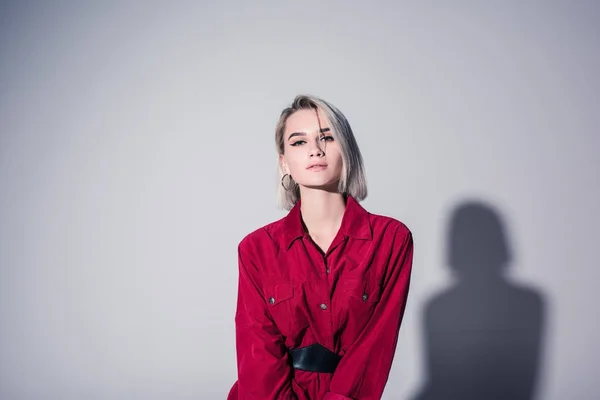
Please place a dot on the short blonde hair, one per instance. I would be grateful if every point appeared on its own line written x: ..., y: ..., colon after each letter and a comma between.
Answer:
x: 352, y: 180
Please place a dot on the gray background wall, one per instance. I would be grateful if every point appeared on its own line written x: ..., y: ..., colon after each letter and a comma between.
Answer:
x: 136, y: 150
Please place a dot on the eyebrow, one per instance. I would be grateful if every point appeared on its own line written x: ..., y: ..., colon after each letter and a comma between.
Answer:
x: 322, y: 130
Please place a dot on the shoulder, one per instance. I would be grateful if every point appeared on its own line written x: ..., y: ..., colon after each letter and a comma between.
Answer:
x: 387, y: 225
x: 264, y: 236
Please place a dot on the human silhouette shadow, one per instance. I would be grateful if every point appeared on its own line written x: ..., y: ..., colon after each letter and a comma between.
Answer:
x: 483, y: 335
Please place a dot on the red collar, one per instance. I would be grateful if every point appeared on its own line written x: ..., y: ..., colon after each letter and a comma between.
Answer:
x: 355, y: 223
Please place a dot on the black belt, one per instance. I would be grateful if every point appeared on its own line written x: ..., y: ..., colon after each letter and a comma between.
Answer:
x: 314, y: 358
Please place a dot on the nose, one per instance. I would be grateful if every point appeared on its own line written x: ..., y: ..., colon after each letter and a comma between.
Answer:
x: 316, y: 150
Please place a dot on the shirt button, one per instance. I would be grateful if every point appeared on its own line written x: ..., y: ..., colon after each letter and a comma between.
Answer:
x: 365, y: 297
x: 323, y: 306
x: 272, y: 300
x: 327, y: 270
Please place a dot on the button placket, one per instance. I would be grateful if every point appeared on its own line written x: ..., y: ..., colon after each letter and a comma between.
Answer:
x: 325, y: 266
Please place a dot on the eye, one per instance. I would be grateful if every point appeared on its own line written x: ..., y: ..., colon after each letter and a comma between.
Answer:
x: 297, y: 143
x: 327, y: 138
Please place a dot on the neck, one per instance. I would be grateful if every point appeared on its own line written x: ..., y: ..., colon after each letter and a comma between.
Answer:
x: 322, y: 211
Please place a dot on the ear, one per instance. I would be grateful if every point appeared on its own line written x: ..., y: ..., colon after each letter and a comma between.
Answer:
x: 283, y: 164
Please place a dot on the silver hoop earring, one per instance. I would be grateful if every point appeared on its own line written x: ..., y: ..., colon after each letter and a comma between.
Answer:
x: 289, y: 180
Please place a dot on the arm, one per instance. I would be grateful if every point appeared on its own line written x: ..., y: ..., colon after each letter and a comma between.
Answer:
x: 262, y: 358
x: 364, y: 369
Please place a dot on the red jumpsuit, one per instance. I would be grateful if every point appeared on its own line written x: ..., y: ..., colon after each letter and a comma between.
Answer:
x: 350, y: 300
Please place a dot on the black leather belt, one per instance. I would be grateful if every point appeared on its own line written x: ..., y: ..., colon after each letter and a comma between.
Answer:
x: 314, y: 358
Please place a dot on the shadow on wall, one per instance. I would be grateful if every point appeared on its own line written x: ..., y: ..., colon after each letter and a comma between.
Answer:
x: 483, y: 335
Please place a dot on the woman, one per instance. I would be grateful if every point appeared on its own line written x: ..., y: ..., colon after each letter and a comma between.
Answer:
x: 323, y: 290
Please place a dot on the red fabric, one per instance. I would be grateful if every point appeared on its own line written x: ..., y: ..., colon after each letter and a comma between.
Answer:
x: 350, y: 300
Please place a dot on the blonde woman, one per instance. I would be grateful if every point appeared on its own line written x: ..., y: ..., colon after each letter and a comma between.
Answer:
x: 322, y: 291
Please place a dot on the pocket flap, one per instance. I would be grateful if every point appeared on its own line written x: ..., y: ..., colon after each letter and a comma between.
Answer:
x: 369, y: 291
x: 279, y: 292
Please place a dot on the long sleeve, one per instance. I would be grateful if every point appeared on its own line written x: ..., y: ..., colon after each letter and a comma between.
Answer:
x: 262, y: 360
x: 364, y: 370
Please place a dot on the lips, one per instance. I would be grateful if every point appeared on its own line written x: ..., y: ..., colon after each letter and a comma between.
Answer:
x: 317, y: 167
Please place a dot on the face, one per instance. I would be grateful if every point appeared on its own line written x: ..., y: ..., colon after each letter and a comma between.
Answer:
x: 311, y: 155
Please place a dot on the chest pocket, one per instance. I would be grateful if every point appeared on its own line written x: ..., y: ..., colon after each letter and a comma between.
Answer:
x: 280, y: 303
x: 363, y: 296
